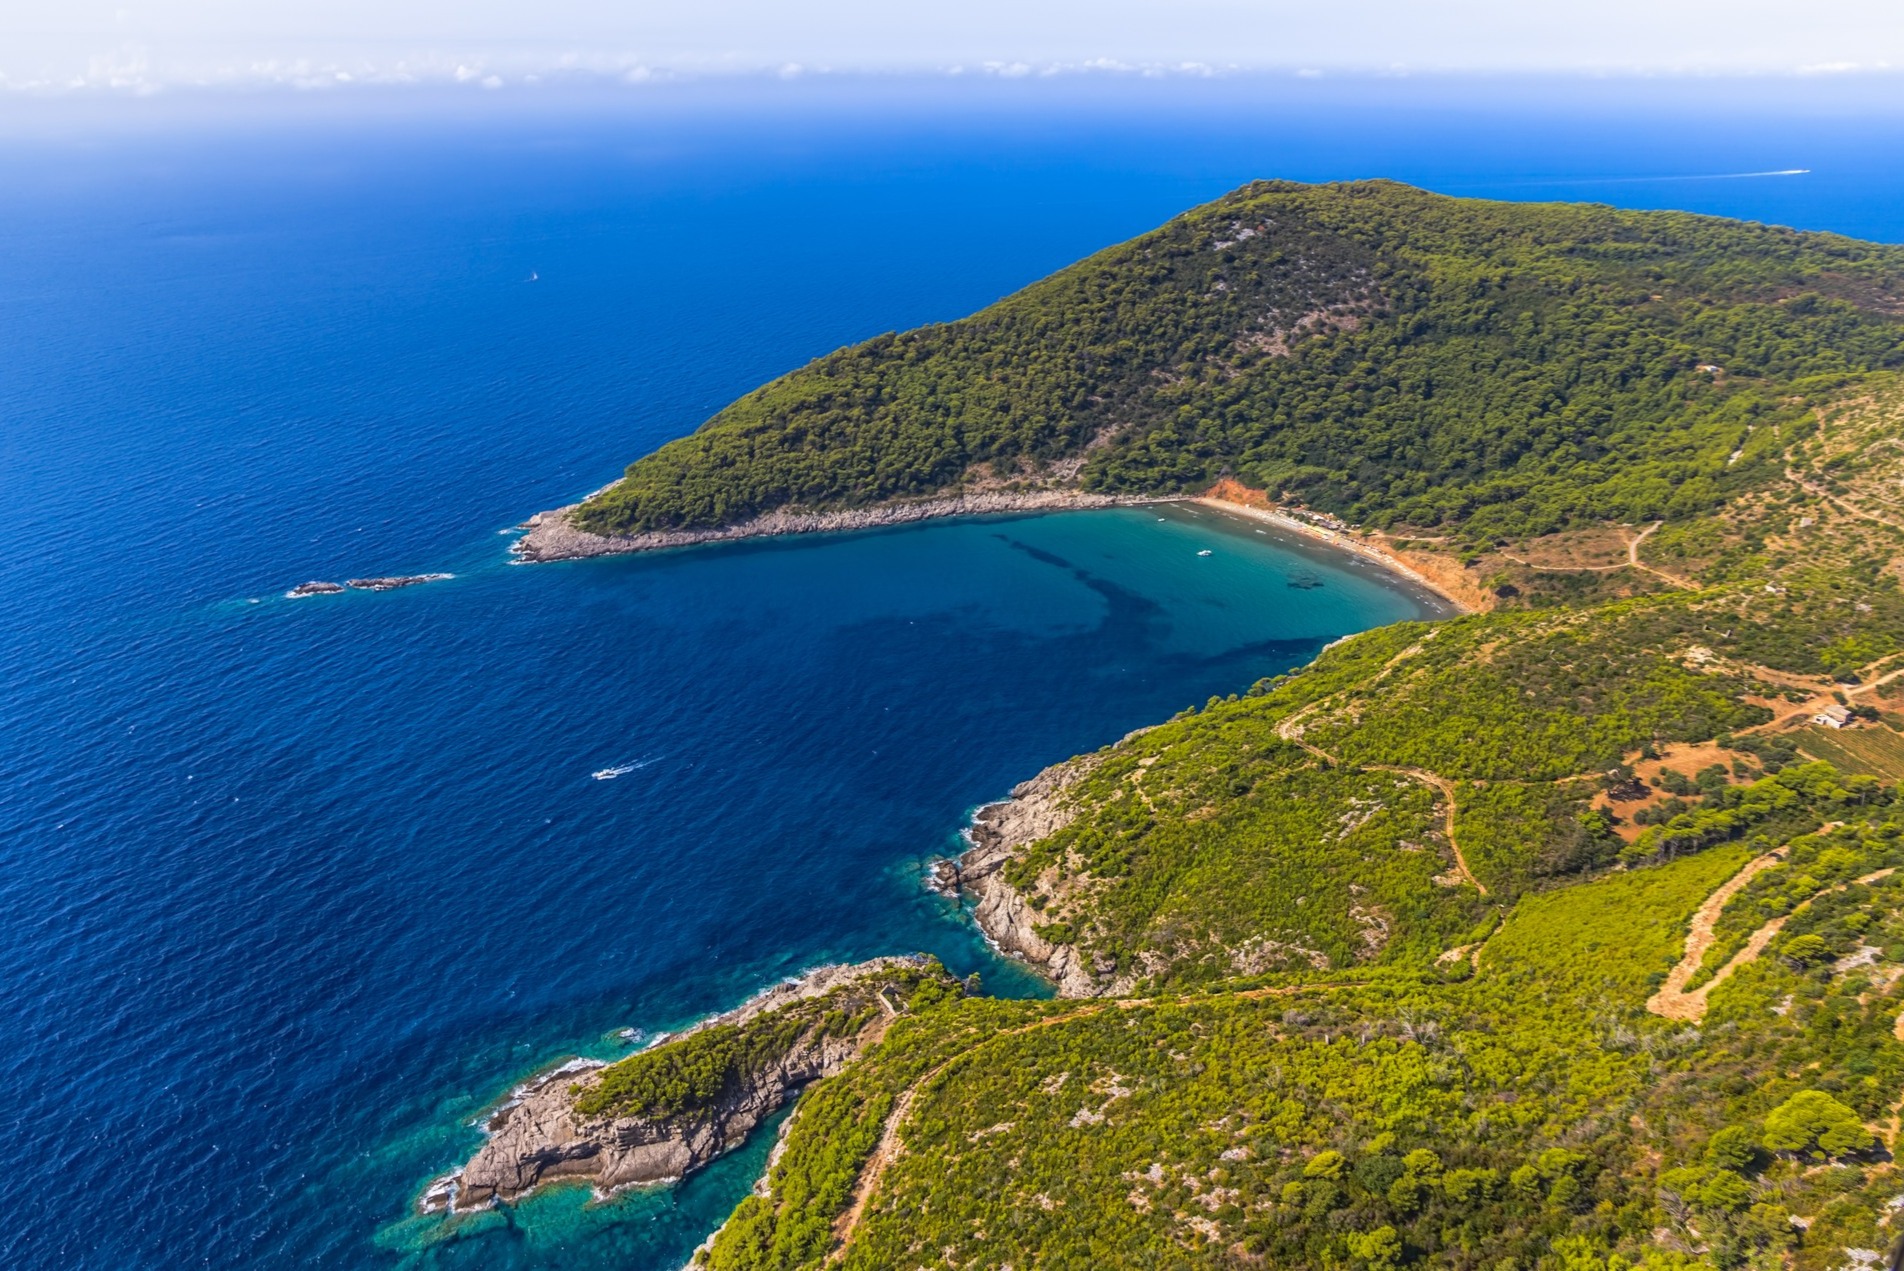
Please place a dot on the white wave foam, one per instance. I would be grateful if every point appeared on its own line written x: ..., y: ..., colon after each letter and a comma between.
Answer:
x: 608, y: 774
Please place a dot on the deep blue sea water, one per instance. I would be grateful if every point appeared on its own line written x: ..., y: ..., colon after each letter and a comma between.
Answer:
x: 290, y: 889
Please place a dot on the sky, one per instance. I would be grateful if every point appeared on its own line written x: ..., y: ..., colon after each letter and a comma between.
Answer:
x: 142, y: 46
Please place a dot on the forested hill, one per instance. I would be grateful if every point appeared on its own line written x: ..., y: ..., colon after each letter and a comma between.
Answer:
x: 1366, y: 349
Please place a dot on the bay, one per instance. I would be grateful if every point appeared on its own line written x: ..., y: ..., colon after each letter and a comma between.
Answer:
x: 291, y: 889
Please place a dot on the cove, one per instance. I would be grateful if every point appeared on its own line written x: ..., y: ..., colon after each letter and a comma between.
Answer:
x: 797, y: 726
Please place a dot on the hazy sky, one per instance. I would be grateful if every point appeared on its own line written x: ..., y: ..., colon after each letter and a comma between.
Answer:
x: 135, y: 44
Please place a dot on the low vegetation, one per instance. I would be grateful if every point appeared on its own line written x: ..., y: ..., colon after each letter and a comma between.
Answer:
x: 709, y: 1063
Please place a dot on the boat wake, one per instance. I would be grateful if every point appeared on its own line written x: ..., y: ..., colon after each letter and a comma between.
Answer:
x: 608, y: 774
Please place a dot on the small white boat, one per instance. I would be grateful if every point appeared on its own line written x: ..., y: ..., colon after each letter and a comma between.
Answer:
x: 1204, y: 552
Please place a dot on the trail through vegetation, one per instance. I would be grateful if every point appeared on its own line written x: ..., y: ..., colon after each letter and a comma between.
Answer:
x: 1673, y: 1001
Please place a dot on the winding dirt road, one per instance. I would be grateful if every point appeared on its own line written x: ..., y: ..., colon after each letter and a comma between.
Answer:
x: 1290, y: 730
x: 1445, y: 788
x: 1673, y: 1001
x: 1632, y: 561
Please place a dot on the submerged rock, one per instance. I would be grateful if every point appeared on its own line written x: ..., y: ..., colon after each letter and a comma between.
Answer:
x: 314, y: 589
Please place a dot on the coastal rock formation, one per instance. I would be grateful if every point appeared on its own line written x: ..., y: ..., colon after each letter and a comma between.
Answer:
x: 1036, y: 809
x: 551, y: 536
x: 657, y: 1115
x: 392, y: 583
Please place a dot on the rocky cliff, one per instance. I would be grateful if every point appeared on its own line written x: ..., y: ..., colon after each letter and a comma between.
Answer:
x: 573, y: 1121
x: 1036, y: 809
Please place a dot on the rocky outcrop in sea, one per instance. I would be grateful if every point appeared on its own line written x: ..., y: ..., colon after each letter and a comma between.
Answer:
x: 391, y: 583
x: 394, y: 582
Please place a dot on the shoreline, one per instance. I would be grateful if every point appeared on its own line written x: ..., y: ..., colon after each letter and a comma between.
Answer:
x: 550, y: 537
x: 1345, y: 541
x: 534, y: 1137
x: 1040, y: 806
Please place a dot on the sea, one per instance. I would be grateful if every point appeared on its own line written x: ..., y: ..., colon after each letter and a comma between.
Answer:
x: 292, y: 890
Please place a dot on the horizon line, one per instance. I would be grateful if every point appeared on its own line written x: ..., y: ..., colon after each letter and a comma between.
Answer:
x: 134, y: 78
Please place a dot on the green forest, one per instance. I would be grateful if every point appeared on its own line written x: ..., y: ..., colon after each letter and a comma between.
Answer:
x: 1367, y: 349
x: 1545, y: 937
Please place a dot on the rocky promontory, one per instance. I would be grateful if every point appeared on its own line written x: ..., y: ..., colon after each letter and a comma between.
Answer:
x: 1036, y: 809
x: 670, y: 1109
x: 553, y: 535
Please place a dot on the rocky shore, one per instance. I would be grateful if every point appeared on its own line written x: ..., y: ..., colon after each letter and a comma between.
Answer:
x: 1035, y: 809
x: 391, y: 583
x: 539, y: 1134
x: 549, y: 536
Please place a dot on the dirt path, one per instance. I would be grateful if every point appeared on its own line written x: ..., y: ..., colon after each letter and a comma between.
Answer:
x: 1289, y: 729
x: 1673, y: 1001
x: 1445, y: 788
x: 1821, y: 697
x: 1850, y: 509
x: 1632, y: 561
x: 891, y: 1146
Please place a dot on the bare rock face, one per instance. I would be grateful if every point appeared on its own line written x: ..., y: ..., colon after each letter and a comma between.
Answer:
x: 540, y: 1135
x: 1003, y: 914
x: 1037, y: 809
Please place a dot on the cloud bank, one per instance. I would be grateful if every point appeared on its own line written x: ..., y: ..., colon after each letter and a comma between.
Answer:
x: 150, y: 45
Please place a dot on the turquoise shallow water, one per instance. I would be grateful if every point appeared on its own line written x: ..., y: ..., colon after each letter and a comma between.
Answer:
x: 290, y: 890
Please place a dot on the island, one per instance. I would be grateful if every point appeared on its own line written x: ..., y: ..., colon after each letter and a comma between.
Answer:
x: 1565, y: 932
